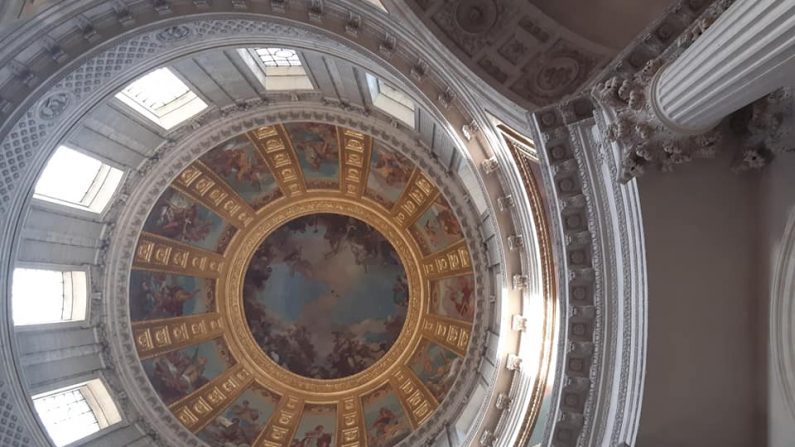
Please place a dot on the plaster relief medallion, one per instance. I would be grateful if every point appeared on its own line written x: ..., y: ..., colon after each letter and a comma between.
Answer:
x: 558, y: 72
x: 476, y: 16
x: 55, y: 104
x: 557, y: 75
x: 471, y: 24
x: 325, y: 296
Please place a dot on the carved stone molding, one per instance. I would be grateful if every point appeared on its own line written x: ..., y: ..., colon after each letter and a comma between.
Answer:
x: 648, y: 139
x: 604, y: 272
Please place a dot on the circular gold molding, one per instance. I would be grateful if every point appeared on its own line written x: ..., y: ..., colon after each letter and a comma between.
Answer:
x: 229, y: 293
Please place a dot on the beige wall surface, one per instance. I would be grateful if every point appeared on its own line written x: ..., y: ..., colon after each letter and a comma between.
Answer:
x: 703, y: 357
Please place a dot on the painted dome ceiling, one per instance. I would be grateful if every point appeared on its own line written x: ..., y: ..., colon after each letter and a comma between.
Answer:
x: 302, y: 285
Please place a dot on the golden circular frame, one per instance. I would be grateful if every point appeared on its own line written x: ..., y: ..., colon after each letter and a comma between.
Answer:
x: 229, y: 296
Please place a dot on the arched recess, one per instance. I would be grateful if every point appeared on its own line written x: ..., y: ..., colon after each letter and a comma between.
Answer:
x: 782, y: 318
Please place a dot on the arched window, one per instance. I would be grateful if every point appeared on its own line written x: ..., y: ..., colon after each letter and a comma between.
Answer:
x: 41, y: 296
x: 77, y: 411
x: 78, y: 180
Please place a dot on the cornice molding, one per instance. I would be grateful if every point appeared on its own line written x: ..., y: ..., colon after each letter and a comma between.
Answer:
x: 599, y: 228
x: 648, y: 139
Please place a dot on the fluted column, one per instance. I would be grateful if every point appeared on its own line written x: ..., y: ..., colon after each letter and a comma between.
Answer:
x: 748, y: 52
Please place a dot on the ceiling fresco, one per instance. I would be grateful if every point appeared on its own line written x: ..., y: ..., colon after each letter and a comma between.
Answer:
x: 302, y: 285
x: 325, y: 296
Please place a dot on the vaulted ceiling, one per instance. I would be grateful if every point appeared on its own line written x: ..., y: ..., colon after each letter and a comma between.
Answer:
x: 539, y: 51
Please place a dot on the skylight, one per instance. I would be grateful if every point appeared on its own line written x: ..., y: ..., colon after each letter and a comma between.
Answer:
x: 162, y: 97
x: 75, y: 179
x: 48, y: 296
x: 278, y: 57
x: 72, y: 413
x: 391, y: 100
x: 278, y: 69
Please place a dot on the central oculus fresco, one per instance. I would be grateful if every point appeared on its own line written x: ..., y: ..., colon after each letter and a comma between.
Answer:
x: 325, y: 296
x: 302, y: 285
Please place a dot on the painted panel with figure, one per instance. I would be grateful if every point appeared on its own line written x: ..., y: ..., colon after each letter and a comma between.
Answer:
x: 238, y: 163
x: 179, y: 217
x: 436, y: 367
x: 156, y: 295
x: 317, y: 150
x: 317, y: 428
x: 437, y: 227
x: 325, y: 296
x: 389, y: 174
x: 240, y: 423
x: 386, y: 422
x: 176, y: 374
x: 454, y: 297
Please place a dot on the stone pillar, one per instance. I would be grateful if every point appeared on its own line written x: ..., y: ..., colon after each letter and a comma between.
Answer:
x: 748, y: 52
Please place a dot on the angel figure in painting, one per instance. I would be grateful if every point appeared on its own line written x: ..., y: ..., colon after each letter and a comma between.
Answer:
x: 387, y: 425
x: 389, y: 169
x: 460, y: 295
x: 443, y: 377
x: 245, y: 413
x: 315, y: 438
x: 234, y: 160
x: 179, y: 218
x: 315, y: 140
x: 165, y: 299
x: 177, y: 374
x: 318, y: 153
x: 400, y: 291
x: 444, y: 223
x: 233, y: 433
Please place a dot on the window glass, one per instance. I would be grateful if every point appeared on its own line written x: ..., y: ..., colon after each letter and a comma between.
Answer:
x: 66, y: 416
x: 47, y: 296
x: 278, y: 57
x: 75, y: 179
x: 394, y: 94
x: 72, y: 413
x: 162, y: 97
x: 68, y: 176
x: 391, y: 100
x: 278, y: 69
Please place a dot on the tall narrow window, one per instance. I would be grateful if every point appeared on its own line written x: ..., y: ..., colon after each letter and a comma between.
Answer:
x: 389, y: 99
x: 75, y: 179
x: 277, y: 68
x: 74, y: 412
x: 48, y: 296
x: 162, y: 97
